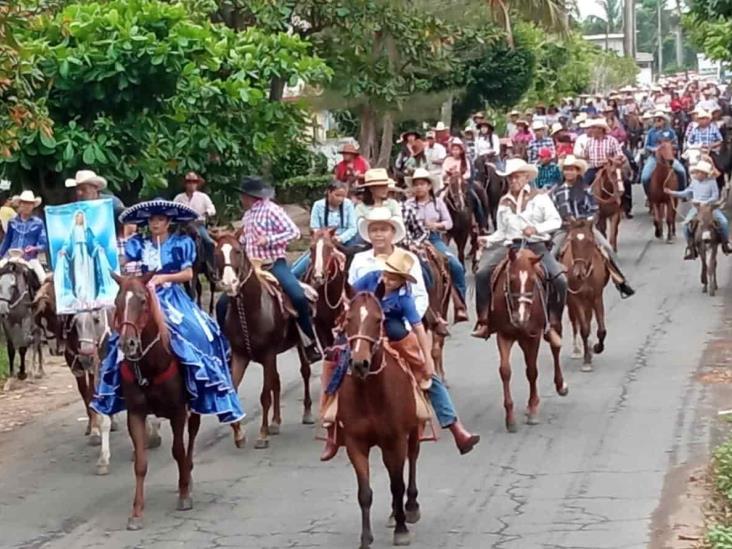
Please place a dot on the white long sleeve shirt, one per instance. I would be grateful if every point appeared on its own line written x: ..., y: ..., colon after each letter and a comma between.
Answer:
x: 485, y: 144
x: 539, y: 212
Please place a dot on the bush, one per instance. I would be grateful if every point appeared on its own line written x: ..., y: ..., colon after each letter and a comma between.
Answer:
x: 304, y: 189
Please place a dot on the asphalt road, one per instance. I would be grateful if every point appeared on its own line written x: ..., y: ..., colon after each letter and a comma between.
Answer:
x: 591, y: 475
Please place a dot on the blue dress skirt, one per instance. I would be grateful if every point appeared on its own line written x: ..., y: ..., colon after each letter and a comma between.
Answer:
x: 195, y: 339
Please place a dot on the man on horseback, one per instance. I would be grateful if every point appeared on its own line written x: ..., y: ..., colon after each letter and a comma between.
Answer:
x: 540, y: 141
x: 574, y: 201
x: 267, y: 230
x: 88, y: 185
x: 201, y: 203
x: 352, y: 167
x: 661, y: 132
x: 25, y: 237
x: 600, y: 149
x: 530, y: 216
x: 705, y: 134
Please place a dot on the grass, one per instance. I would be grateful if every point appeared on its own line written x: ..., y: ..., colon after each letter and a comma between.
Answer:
x: 719, y: 533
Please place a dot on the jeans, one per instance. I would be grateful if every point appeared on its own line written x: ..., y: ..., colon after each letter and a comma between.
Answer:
x: 478, y: 208
x: 560, y: 238
x: 650, y: 165
x: 457, y: 270
x: 719, y: 217
x: 395, y: 329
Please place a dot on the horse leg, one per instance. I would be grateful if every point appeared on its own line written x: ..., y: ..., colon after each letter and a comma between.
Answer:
x: 38, y: 344
x: 238, y: 367
x: 136, y: 428
x: 702, y: 249
x: 358, y: 453
x: 82, y: 386
x: 713, y: 270
x: 614, y: 227
x: 656, y: 211
x: 276, y: 423
x: 105, y: 426
x: 599, y: 308
x: 307, y: 401
x: 585, y: 323
x: 95, y: 433
x: 670, y: 222
x: 211, y: 300
x: 576, y: 349
x: 21, y: 373
x: 194, y: 424
x: 530, y: 348
x: 178, y: 426
x: 412, y: 507
x: 11, y: 354
x: 265, y: 399
x: 504, y: 349
x: 393, y: 459
x: 559, y: 384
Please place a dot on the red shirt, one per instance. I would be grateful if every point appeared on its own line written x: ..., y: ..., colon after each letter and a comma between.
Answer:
x: 344, y: 170
x: 676, y: 105
x: 687, y: 102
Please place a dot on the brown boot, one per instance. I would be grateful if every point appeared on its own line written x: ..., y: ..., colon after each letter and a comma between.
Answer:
x: 461, y: 310
x: 482, y: 330
x: 408, y: 349
x: 331, y: 446
x: 464, y: 440
x: 442, y: 328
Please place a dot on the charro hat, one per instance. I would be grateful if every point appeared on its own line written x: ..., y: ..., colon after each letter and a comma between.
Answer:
x: 140, y: 214
x: 381, y: 215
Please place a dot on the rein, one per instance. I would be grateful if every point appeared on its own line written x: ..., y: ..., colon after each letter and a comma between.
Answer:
x: 588, y: 273
x: 14, y: 304
x: 526, y: 298
x: 376, y: 343
x: 613, y: 196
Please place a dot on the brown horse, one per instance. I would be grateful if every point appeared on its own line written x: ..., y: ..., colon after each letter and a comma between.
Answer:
x: 463, y: 229
x: 706, y: 244
x: 258, y: 328
x: 519, y: 314
x: 377, y: 408
x: 608, y: 192
x: 587, y: 276
x: 634, y: 127
x: 493, y: 184
x: 327, y: 274
x: 45, y: 317
x: 152, y: 383
x: 663, y: 206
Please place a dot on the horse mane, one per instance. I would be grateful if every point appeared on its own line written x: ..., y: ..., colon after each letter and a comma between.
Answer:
x: 159, y: 319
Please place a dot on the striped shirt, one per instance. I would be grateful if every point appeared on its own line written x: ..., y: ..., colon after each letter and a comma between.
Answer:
x: 599, y: 151
x: 266, y: 219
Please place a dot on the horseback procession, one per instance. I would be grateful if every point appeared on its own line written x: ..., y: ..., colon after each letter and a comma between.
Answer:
x: 376, y: 296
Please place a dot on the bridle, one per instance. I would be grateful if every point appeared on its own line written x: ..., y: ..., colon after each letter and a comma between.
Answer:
x: 240, y: 309
x: 333, y: 261
x: 515, y: 299
x: 13, y: 303
x: 137, y: 334
x: 375, y: 342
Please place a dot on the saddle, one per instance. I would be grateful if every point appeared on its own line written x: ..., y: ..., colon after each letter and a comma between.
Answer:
x: 272, y: 286
x: 538, y: 269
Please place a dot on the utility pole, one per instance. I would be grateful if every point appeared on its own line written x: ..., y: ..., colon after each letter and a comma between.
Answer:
x: 679, y: 37
x: 629, y: 29
x: 659, y: 3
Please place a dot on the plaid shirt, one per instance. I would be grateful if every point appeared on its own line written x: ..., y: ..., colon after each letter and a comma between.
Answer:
x: 705, y: 136
x: 599, y: 151
x: 266, y: 219
x: 549, y: 175
x: 568, y: 207
x: 416, y: 231
x: 536, y: 144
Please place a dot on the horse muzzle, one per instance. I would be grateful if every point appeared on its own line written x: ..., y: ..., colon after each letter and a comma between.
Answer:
x: 131, y: 348
x: 360, y: 368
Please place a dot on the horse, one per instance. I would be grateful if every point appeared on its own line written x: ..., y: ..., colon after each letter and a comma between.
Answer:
x: 17, y: 285
x: 258, y: 327
x: 201, y: 266
x: 663, y: 206
x: 456, y: 200
x: 707, y: 241
x: 608, y: 193
x: 634, y: 127
x: 377, y: 408
x: 46, y: 319
x: 152, y: 383
x: 519, y: 314
x: 587, y: 276
x: 493, y: 184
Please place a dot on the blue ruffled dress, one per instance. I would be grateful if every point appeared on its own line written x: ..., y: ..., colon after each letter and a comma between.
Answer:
x: 195, y: 338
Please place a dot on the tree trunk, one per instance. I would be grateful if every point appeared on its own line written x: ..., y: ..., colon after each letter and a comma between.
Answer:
x: 367, y: 136
x: 387, y: 140
x: 446, y: 111
x: 277, y: 89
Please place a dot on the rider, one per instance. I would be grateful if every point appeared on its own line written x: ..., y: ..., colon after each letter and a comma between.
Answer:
x: 434, y: 216
x: 267, y: 230
x: 26, y: 233
x: 529, y: 215
x: 574, y: 200
x: 600, y: 148
x: 487, y: 141
x: 702, y: 190
x: 201, y: 203
x: 661, y: 132
x: 435, y: 154
x: 383, y: 231
x: 352, y: 167
x: 335, y: 210
x: 89, y: 186
x: 549, y: 173
x: 540, y: 141
x: 375, y: 194
x: 706, y: 134
x: 195, y: 339
x: 458, y: 165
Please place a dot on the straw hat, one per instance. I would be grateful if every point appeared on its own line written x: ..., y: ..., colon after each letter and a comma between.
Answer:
x: 400, y: 262
x: 556, y: 128
x: 518, y: 165
x: 514, y: 112
x: 87, y: 177
x: 572, y: 161
x: 702, y: 166
x: 703, y: 114
x: 597, y: 123
x: 421, y: 173
x: 348, y: 148
x: 661, y: 114
x: 28, y: 196
x: 538, y: 125
x: 381, y: 215
x: 440, y: 127
x: 375, y: 177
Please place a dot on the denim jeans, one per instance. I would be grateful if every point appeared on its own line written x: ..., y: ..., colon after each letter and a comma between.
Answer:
x: 208, y: 243
x: 719, y: 217
x: 650, y: 165
x: 457, y: 270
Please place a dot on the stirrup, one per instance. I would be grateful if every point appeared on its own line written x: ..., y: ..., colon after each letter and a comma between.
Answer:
x: 423, y: 431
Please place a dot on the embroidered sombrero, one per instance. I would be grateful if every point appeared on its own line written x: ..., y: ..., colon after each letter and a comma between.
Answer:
x: 140, y: 214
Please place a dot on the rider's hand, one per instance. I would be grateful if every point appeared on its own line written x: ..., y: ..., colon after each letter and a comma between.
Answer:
x: 262, y: 241
x: 529, y: 231
x: 667, y: 190
x: 156, y: 280
x: 429, y: 365
x: 29, y: 249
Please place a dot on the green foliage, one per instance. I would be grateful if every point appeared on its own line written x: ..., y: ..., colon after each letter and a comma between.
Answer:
x: 719, y: 537
x: 711, y: 34
x: 303, y: 189
x: 143, y: 90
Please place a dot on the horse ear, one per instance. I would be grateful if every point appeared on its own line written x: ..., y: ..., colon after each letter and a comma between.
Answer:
x: 535, y: 260
x: 145, y: 278
x: 512, y: 254
x: 117, y: 278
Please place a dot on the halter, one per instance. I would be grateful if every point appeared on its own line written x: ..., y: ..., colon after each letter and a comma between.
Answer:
x: 376, y: 344
x: 588, y: 273
x: 527, y: 298
x: 13, y: 304
x: 138, y: 377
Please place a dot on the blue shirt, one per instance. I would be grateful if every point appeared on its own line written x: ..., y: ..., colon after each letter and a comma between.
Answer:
x: 705, y: 136
x: 655, y: 136
x: 397, y: 305
x: 342, y: 218
x: 700, y: 191
x: 548, y: 176
x: 31, y: 232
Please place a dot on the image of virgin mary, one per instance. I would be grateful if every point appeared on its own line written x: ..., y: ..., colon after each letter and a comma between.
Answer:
x: 82, y: 275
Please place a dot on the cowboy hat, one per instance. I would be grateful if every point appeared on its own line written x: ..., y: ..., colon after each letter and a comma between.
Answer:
x: 140, y: 214
x: 193, y: 177
x: 522, y: 121
x: 348, y: 148
x: 400, y: 262
x: 415, y: 133
x: 28, y: 196
x: 580, y: 118
x: 456, y: 141
x: 393, y: 187
x: 647, y: 115
x: 381, y: 215
x: 703, y: 114
x: 661, y: 114
x: 702, y: 166
x: 485, y: 123
x: 253, y: 185
x: 87, y: 177
x: 538, y: 125
x: 430, y: 134
x: 597, y: 123
x: 375, y: 177
x: 440, y: 127
x: 556, y: 128
x: 514, y: 112
x: 518, y: 165
x: 469, y: 130
x: 422, y: 174
x: 572, y: 161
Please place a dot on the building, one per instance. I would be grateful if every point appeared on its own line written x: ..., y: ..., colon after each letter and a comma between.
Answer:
x: 614, y: 42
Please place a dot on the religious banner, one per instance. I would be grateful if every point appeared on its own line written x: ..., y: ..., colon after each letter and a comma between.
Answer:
x: 83, y: 247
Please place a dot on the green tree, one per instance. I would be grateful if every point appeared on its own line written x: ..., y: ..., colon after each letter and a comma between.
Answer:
x: 552, y: 15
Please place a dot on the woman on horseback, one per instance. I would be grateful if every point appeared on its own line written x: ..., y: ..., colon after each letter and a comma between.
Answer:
x: 375, y: 194
x: 457, y: 165
x: 195, y: 339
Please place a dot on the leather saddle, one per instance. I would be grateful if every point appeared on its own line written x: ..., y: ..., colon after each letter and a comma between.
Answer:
x: 272, y: 286
x: 503, y: 265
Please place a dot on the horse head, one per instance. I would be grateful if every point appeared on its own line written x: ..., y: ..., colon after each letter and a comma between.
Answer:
x: 521, y: 285
x: 87, y: 332
x: 705, y: 226
x: 229, y: 262
x: 582, y: 246
x: 323, y: 250
x: 665, y: 152
x: 363, y: 324
x: 15, y: 285
x: 456, y: 191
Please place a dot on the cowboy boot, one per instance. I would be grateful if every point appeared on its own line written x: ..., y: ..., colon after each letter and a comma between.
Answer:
x: 690, y: 253
x: 726, y: 247
x: 331, y: 445
x: 460, y: 309
x: 464, y: 439
x: 408, y: 349
x: 482, y: 328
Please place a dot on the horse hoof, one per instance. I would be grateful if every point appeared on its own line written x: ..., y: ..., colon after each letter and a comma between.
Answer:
x: 261, y: 444
x: 154, y: 442
x: 102, y: 470
x: 586, y: 368
x: 598, y: 348
x: 114, y: 426
x: 532, y: 419
x: 307, y: 419
x: 366, y: 541
x: 511, y: 427
x: 704, y: 290
x: 185, y: 504
x: 274, y: 429
x: 134, y: 523
x: 95, y: 440
x: 87, y: 431
x: 402, y: 539
x: 563, y: 391
x: 577, y: 353
x: 391, y: 521
x: 412, y: 517
x: 240, y: 443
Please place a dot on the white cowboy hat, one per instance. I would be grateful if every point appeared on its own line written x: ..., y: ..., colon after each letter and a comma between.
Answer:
x: 538, y: 125
x: 514, y: 112
x: 87, y: 177
x: 556, y: 128
x: 597, y: 123
x: 701, y: 113
x: 421, y: 173
x: 381, y: 215
x: 702, y: 166
x: 375, y: 177
x: 518, y: 165
x: 580, y: 118
x: 648, y: 115
x: 28, y: 196
x: 440, y: 127
x: 572, y: 160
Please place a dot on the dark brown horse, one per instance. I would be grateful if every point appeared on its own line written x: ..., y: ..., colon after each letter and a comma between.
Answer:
x: 152, y: 383
x: 706, y: 244
x: 663, y: 206
x: 377, y: 408
x: 634, y: 126
x: 587, y: 276
x: 608, y: 192
x: 202, y: 266
x: 519, y: 314
x: 455, y: 194
x: 45, y: 317
x: 493, y: 184
x: 258, y: 327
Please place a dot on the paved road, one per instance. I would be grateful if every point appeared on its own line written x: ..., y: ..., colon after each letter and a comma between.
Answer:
x: 590, y: 475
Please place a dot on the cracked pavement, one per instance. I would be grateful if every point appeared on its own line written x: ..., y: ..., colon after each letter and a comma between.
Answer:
x: 590, y: 475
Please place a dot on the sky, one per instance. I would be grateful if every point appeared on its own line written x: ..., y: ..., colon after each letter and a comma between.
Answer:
x: 589, y: 7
